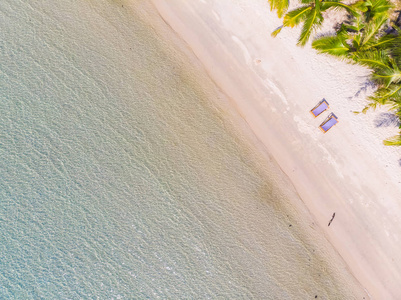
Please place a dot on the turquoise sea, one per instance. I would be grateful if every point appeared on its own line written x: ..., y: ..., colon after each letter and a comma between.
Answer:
x: 121, y: 178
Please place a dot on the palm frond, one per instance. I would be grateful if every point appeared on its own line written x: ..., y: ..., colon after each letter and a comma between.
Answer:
x: 361, y: 6
x: 388, y: 96
x: 379, y: 7
x: 387, y: 76
x: 353, y: 32
x: 281, y: 6
x: 372, y: 105
x: 296, y: 16
x: 333, y: 45
x: 313, y: 21
x: 372, y: 29
x: 357, y: 24
x: 276, y: 32
x: 338, y: 5
x: 373, y: 59
x: 393, y: 141
x: 383, y: 42
x: 356, y: 41
x: 395, y: 48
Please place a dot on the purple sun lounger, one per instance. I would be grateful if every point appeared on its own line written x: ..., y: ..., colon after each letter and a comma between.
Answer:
x: 319, y: 108
x: 328, y: 123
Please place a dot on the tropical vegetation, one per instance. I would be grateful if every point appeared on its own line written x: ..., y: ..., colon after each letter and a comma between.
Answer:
x: 309, y: 14
x: 370, y: 36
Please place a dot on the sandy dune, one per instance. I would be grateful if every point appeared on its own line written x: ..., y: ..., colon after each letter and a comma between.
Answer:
x: 273, y: 84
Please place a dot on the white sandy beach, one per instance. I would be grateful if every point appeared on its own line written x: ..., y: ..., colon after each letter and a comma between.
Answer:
x: 273, y: 84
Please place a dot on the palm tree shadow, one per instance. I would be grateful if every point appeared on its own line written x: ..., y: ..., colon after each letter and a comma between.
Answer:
x: 367, y: 85
x: 334, y: 28
x: 387, y: 120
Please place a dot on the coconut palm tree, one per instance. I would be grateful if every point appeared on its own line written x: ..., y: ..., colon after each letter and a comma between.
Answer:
x: 368, y: 44
x: 357, y: 40
x: 365, y: 41
x: 362, y: 34
x: 366, y: 38
x: 374, y: 8
x: 387, y: 76
x: 310, y: 14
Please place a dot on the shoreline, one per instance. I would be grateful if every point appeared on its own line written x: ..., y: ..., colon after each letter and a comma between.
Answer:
x: 347, y: 171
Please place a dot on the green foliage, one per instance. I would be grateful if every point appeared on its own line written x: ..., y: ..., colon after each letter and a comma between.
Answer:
x: 394, y: 141
x: 333, y: 45
x: 277, y: 31
x: 373, y: 59
x: 296, y: 16
x: 309, y: 14
x: 368, y: 37
x: 336, y: 4
x: 313, y: 20
x: 281, y: 6
x: 387, y: 76
x: 375, y: 8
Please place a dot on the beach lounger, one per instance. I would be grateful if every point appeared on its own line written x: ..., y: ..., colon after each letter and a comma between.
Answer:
x: 328, y: 123
x: 319, y: 108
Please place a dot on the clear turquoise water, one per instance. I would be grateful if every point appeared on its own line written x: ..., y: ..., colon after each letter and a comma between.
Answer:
x: 119, y: 177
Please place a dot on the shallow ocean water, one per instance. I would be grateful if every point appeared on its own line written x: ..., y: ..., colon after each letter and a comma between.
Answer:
x: 119, y: 176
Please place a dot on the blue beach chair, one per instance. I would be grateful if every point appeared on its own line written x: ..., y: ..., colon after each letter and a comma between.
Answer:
x: 328, y: 123
x: 319, y: 108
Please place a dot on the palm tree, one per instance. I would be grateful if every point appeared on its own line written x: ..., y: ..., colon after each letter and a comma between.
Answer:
x: 365, y: 45
x: 310, y: 14
x: 374, y: 8
x: 364, y: 41
x: 280, y: 5
x: 361, y: 34
x: 387, y: 76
